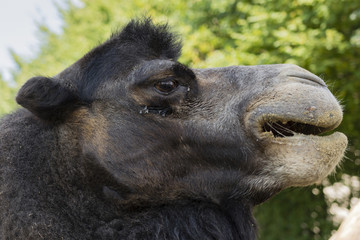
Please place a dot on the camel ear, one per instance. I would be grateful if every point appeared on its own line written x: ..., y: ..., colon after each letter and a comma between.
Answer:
x: 46, y: 98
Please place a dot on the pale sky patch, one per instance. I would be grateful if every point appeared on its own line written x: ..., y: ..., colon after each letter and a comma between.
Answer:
x: 19, y: 31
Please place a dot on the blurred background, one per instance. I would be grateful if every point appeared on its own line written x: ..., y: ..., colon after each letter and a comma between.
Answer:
x: 42, y: 37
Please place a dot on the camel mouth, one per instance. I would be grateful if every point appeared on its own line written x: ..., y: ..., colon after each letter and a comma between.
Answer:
x: 284, y: 129
x: 307, y: 151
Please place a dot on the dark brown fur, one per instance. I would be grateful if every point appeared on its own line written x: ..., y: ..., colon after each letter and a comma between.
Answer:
x: 128, y: 143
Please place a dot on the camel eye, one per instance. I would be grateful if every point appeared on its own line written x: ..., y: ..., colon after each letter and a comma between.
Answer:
x: 166, y: 87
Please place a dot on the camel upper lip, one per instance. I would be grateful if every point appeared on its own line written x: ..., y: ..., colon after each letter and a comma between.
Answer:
x: 269, y: 121
x: 295, y: 108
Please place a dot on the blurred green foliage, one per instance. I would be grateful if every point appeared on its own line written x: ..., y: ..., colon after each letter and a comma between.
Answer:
x: 7, y: 102
x: 322, y: 36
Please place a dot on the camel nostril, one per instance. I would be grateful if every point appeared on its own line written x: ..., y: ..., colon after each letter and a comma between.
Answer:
x: 307, y: 77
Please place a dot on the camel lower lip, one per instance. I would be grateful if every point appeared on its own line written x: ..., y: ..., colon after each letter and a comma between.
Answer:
x: 305, y: 159
x: 300, y: 139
